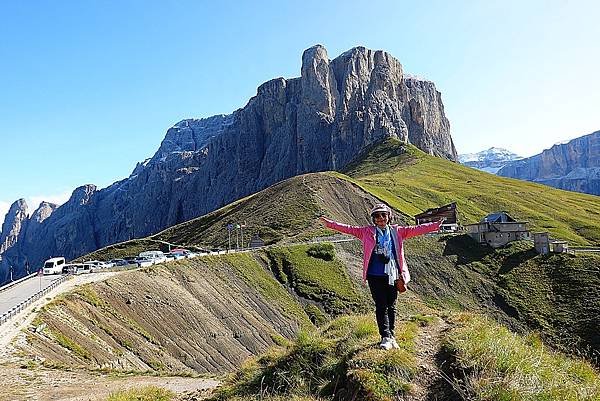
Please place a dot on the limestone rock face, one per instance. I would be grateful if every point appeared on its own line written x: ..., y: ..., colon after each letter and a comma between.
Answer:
x: 574, y: 166
x: 14, y: 222
x: 67, y: 231
x: 318, y: 121
x: 13, y: 228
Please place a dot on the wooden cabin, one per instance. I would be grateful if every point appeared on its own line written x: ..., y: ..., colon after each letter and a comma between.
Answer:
x: 434, y: 214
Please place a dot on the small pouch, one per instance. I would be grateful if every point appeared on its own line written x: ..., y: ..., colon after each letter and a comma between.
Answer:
x: 400, y: 286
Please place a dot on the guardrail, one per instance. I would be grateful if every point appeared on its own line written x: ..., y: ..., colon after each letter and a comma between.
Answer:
x: 577, y: 250
x: 13, y: 283
x: 20, y: 307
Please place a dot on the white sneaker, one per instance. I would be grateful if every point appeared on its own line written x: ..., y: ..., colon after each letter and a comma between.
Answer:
x: 394, y: 343
x: 386, y: 343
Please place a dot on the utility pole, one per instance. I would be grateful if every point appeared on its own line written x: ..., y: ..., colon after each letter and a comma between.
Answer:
x: 237, y: 235
x: 242, y: 229
x: 229, y: 228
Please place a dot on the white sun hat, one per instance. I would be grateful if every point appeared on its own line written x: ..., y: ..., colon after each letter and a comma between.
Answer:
x: 381, y: 207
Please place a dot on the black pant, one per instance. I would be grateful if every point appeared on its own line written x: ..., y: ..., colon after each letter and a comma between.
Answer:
x: 384, y: 296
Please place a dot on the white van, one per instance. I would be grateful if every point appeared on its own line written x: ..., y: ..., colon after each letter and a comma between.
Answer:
x: 54, y: 265
x: 154, y: 256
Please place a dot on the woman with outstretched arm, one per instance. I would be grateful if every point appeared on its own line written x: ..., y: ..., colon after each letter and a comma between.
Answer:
x: 384, y: 266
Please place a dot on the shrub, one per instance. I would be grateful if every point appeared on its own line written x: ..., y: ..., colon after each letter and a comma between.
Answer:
x: 323, y: 251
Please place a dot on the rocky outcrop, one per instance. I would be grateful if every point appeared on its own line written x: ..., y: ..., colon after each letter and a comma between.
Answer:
x: 574, y: 166
x: 15, y: 224
x: 318, y: 121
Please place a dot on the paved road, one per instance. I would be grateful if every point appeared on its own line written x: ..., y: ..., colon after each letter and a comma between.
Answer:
x: 20, y: 292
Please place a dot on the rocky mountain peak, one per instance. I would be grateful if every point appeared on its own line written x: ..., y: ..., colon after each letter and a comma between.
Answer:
x: 81, y: 196
x: 43, y: 211
x: 318, y: 121
x: 14, y: 223
x: 191, y: 135
x: 490, y: 160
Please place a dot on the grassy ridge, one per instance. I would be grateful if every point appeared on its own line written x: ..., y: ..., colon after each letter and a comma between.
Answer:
x: 499, y: 365
x: 276, y: 213
x: 558, y: 295
x: 412, y: 181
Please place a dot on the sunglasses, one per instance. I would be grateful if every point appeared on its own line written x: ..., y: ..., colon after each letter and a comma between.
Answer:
x: 379, y: 215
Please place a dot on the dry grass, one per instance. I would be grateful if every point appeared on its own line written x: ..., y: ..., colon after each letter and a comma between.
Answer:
x: 500, y: 365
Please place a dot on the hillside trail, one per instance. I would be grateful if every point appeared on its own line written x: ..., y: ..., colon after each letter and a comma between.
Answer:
x: 431, y: 383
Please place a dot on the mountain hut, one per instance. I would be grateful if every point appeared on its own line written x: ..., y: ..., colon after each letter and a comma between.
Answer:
x: 434, y: 214
x: 498, y: 229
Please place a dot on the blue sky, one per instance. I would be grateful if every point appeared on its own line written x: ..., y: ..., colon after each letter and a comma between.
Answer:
x: 89, y: 88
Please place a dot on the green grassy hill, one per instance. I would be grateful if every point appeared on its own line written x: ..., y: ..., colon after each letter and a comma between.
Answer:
x: 412, y: 181
x: 517, y: 286
x: 550, y: 299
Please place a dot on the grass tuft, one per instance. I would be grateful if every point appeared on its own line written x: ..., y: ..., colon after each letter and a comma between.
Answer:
x: 149, y: 393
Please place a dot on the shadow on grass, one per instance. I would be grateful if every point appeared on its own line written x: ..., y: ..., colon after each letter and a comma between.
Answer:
x: 466, y: 249
x: 516, y: 259
x: 449, y: 385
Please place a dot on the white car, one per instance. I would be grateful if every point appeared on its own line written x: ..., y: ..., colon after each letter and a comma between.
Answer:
x: 155, y: 256
x: 54, y: 266
x: 98, y: 264
x: 144, y: 262
x: 83, y: 268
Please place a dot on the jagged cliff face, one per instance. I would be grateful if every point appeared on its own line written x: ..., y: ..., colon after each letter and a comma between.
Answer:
x: 20, y: 229
x: 15, y: 224
x: 319, y: 121
x: 15, y: 220
x: 574, y: 166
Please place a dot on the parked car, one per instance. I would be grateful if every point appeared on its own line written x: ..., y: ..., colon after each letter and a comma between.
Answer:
x: 175, y: 255
x: 54, y: 266
x: 131, y: 260
x: 83, y: 268
x: 69, y: 268
x: 144, y: 262
x: 184, y: 253
x: 119, y: 262
x: 155, y: 256
x: 98, y: 264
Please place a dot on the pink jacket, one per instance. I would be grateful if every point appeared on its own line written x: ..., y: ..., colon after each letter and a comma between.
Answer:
x: 399, y: 233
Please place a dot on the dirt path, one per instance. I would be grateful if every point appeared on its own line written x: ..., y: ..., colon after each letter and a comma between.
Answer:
x: 40, y: 384
x: 430, y: 384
